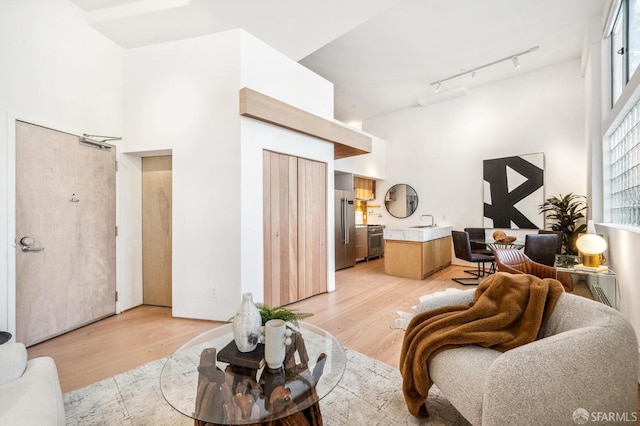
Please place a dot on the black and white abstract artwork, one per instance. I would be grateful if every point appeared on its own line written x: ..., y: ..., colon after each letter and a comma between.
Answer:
x: 513, y: 190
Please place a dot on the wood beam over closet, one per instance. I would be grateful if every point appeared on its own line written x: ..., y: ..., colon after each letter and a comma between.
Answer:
x: 347, y: 142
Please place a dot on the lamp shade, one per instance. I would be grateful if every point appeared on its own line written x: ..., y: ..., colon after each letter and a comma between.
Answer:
x: 591, y: 244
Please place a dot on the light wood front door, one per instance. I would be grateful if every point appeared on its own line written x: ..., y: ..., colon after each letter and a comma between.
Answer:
x: 295, y: 228
x: 156, y: 230
x: 65, y: 233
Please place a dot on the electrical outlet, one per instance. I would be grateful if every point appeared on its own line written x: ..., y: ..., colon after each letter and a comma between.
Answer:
x: 213, y: 292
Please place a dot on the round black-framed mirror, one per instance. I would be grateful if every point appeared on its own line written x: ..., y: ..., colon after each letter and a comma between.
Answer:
x: 401, y: 200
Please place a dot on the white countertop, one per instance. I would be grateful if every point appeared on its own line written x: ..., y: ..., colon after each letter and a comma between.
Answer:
x: 417, y: 234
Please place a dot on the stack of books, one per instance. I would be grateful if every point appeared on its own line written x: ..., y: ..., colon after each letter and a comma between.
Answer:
x: 231, y: 355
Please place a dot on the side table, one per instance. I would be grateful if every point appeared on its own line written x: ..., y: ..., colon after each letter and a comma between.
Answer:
x: 603, y: 285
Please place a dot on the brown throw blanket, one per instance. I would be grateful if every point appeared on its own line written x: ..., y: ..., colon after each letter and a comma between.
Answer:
x: 508, y: 311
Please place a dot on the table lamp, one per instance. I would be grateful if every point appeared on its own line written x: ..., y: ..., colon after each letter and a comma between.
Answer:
x: 591, y: 246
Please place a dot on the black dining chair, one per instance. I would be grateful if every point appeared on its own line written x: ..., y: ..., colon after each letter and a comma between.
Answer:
x: 560, y: 235
x: 462, y: 250
x: 477, y: 240
x: 541, y: 248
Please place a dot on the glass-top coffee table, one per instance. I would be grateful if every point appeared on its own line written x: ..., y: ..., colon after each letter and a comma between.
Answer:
x: 197, y: 383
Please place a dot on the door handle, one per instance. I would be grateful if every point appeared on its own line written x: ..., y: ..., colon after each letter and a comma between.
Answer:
x: 27, y: 244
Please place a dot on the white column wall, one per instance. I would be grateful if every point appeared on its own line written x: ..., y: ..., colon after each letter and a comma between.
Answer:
x: 439, y: 149
x: 271, y: 73
x: 182, y: 97
x: 58, y: 72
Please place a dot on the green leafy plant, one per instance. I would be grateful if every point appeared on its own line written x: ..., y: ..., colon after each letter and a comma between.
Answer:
x: 289, y: 315
x: 566, y: 213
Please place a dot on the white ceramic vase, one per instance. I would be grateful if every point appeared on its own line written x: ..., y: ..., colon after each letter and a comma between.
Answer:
x: 246, y: 324
x: 276, y: 338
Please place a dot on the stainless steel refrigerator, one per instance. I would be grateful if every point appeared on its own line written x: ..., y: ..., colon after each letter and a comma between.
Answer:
x: 345, y: 220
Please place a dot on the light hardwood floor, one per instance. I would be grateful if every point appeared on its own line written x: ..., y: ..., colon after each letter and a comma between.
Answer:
x: 359, y: 313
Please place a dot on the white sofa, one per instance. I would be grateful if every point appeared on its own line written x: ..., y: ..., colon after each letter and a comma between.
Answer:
x: 30, y: 392
x: 585, y: 362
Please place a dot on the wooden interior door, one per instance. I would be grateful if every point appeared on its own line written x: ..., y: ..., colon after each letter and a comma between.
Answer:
x: 295, y: 228
x: 65, y: 205
x: 156, y: 230
x: 280, y: 193
x: 312, y: 228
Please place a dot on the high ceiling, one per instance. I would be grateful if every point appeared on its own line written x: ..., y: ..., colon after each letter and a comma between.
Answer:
x: 381, y: 55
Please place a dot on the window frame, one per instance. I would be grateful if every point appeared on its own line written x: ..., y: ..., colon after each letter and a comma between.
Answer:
x: 621, y: 16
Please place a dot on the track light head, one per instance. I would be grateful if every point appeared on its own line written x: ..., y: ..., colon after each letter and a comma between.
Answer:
x: 473, y: 74
x: 516, y: 63
x: 438, y: 87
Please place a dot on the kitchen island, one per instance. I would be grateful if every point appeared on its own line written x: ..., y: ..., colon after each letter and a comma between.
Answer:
x: 417, y: 252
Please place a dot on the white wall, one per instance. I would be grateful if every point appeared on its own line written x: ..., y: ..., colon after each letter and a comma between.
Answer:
x: 439, y: 149
x: 183, y: 96
x: 622, y: 257
x: 270, y: 72
x: 58, y: 72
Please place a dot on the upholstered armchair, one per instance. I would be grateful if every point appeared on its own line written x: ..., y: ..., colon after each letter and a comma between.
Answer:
x: 30, y: 392
x: 586, y: 357
x: 516, y: 262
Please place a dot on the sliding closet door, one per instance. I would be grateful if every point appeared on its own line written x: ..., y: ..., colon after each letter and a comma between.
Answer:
x: 280, y: 186
x: 312, y: 229
x: 65, y: 233
x: 295, y: 228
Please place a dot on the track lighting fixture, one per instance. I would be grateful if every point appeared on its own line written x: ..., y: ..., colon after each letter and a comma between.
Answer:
x: 513, y: 58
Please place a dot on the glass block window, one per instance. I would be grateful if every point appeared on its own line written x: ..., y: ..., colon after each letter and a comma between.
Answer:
x: 624, y: 156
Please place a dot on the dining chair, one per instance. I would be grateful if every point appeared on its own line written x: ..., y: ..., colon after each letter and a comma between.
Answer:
x: 477, y: 240
x: 560, y: 235
x: 541, y: 248
x: 462, y: 250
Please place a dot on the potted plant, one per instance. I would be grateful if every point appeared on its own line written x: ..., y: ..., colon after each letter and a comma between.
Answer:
x: 566, y: 213
x: 287, y: 315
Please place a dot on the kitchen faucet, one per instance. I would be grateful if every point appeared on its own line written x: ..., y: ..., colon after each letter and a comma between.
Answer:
x: 433, y: 223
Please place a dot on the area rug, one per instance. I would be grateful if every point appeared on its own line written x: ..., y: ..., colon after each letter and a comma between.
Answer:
x: 404, y: 317
x: 368, y: 394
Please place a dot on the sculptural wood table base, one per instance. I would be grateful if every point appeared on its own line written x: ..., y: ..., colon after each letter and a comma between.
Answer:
x: 308, y: 417
x: 230, y: 394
